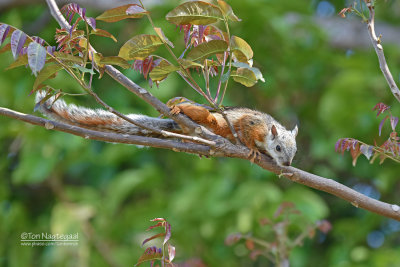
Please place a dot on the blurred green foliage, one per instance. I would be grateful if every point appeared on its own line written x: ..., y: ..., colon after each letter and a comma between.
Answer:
x: 53, y: 182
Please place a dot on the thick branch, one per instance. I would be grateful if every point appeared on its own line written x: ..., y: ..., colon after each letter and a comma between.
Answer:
x: 223, y: 149
x: 376, y: 42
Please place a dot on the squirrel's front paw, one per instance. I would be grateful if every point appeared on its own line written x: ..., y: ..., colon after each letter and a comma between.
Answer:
x: 253, y: 155
x: 175, y: 110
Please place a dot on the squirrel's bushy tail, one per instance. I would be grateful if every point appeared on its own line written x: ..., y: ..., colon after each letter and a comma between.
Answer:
x: 98, y: 119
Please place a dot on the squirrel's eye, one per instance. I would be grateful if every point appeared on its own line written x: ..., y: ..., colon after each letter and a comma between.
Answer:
x: 278, y: 148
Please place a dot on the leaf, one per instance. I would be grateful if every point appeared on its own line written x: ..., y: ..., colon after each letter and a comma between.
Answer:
x: 256, y: 71
x: 225, y: 77
x: 205, y: 50
x: 227, y: 11
x: 68, y: 57
x: 150, y: 254
x: 393, y: 122
x: 151, y: 238
x: 381, y: 107
x: 161, y: 34
x: 18, y: 39
x: 188, y: 63
x: 114, y: 60
x: 195, y: 13
x: 120, y: 13
x: 171, y: 252
x: 162, y: 70
x: 5, y: 48
x: 83, y: 69
x: 366, y: 151
x: 74, y: 8
x: 103, y: 33
x: 168, y: 233
x: 21, y: 61
x: 241, y: 49
x: 36, y: 57
x: 244, y: 76
x: 4, y: 30
x: 48, y: 71
x: 140, y: 46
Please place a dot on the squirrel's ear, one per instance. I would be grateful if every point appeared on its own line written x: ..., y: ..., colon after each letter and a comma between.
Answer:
x: 274, y: 131
x: 295, y: 131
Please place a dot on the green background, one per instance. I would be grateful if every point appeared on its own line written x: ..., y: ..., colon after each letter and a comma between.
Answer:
x: 53, y: 182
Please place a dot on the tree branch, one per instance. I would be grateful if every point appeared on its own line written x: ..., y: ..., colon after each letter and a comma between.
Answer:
x: 222, y: 149
x: 376, y: 42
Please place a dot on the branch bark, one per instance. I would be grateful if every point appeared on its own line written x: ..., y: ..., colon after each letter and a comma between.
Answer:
x: 376, y: 42
x: 223, y: 148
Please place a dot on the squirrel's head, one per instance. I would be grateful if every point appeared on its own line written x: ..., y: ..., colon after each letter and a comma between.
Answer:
x: 280, y: 144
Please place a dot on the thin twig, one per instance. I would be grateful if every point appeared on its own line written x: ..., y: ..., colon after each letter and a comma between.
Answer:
x: 376, y: 42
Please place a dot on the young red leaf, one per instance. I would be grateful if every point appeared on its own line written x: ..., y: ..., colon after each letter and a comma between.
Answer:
x: 249, y: 244
x: 159, y: 224
x: 73, y: 8
x: 18, y: 39
x: 324, y: 226
x: 36, y: 57
x: 355, y: 152
x: 381, y: 107
x: 233, y: 239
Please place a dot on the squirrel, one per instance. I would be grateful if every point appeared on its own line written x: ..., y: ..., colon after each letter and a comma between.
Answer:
x: 260, y: 132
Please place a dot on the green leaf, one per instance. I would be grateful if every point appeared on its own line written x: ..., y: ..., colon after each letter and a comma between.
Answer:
x: 256, y: 71
x: 113, y: 60
x: 67, y: 57
x: 162, y: 70
x: 120, y: 13
x: 161, y: 34
x: 140, y: 46
x: 225, y: 77
x: 244, y: 76
x: 227, y: 11
x: 241, y: 49
x: 83, y: 69
x: 103, y: 33
x: 196, y: 13
x: 189, y: 64
x: 48, y: 71
x: 205, y: 50
x: 20, y: 61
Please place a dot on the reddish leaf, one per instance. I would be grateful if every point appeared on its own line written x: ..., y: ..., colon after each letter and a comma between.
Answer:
x: 103, y: 33
x: 381, y: 108
x: 147, y: 66
x: 167, y: 232
x: 284, y: 207
x: 343, y: 12
x: 135, y: 9
x: 71, y: 9
x: 255, y: 253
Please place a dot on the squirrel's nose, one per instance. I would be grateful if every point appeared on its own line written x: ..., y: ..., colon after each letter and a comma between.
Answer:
x: 287, y: 163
